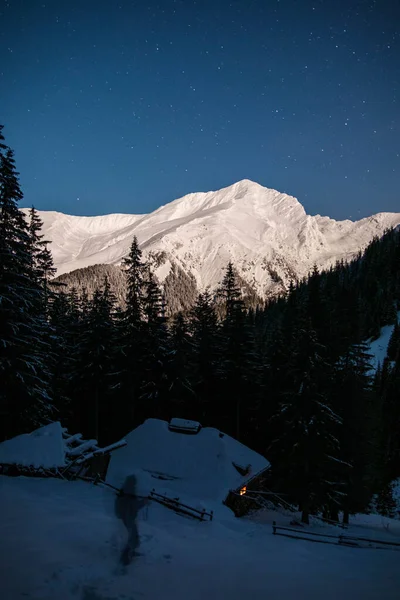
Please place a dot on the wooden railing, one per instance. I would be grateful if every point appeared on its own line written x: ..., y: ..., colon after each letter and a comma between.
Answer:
x: 178, y: 506
x: 345, y: 540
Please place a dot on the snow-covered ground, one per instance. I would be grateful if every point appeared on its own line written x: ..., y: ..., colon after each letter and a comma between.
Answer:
x: 61, y: 540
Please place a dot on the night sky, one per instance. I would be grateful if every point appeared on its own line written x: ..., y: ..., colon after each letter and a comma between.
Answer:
x: 121, y: 106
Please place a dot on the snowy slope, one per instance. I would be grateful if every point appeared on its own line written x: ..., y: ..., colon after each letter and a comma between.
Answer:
x: 378, y: 347
x: 267, y: 235
x: 61, y: 540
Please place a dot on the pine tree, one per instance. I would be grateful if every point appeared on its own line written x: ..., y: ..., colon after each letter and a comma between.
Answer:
x: 42, y: 259
x: 390, y: 420
x: 353, y: 398
x: 24, y: 393
x: 62, y: 321
x: 156, y: 352
x: 92, y: 376
x: 206, y: 370
x: 182, y: 396
x: 275, y: 382
x: 239, y: 361
x: 85, y: 304
x: 152, y: 300
x: 230, y: 294
x: 306, y: 449
x: 135, y: 271
x: 385, y: 502
x: 127, y: 379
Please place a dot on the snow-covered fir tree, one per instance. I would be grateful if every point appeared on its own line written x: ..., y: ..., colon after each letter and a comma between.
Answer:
x: 24, y: 347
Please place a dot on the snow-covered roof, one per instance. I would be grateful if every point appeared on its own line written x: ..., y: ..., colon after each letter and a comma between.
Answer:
x: 189, y: 466
x: 44, y: 447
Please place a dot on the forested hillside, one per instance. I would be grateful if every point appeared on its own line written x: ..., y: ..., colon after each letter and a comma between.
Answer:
x: 179, y: 289
x: 291, y: 379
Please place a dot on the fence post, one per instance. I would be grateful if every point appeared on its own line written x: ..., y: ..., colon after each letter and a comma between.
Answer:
x: 274, y: 527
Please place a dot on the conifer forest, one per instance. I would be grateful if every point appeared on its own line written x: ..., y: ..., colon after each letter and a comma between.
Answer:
x: 291, y: 378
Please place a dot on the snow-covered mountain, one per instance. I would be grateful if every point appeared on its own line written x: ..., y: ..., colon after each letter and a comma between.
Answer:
x: 267, y: 235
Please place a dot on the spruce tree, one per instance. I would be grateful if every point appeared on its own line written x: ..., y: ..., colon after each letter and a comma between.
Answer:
x: 353, y: 398
x: 182, y: 396
x: 127, y: 379
x: 92, y: 373
x: 152, y: 300
x: 231, y: 296
x: 63, y: 340
x: 206, y: 369
x: 385, y: 503
x: 24, y: 394
x: 390, y: 419
x: 305, y: 451
x: 239, y: 360
x: 156, y: 352
x: 42, y: 259
x: 275, y: 382
x: 135, y: 272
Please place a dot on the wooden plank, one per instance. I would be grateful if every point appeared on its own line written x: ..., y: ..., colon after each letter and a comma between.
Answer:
x: 362, y: 539
x: 325, y: 535
x: 177, y: 505
x: 342, y: 539
x: 308, y: 539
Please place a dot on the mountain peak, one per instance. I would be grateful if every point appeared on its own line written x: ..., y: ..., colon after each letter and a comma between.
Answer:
x: 265, y: 233
x: 248, y: 184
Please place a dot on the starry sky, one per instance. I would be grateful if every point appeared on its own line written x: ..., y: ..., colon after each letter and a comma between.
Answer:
x: 122, y: 106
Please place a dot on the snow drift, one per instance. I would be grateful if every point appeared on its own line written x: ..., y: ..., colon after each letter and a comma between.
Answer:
x: 44, y: 448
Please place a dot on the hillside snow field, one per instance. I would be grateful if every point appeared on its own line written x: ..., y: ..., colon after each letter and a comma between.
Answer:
x: 64, y: 540
x: 378, y: 348
x: 266, y: 234
x: 61, y: 540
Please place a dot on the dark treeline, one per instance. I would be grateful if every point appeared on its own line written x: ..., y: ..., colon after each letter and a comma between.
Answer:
x: 291, y: 379
x: 179, y: 288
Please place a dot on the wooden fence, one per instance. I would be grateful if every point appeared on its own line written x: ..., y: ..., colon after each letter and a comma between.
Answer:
x: 342, y: 539
x: 179, y: 507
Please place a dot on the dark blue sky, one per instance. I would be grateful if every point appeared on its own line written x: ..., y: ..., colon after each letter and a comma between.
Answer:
x: 121, y: 106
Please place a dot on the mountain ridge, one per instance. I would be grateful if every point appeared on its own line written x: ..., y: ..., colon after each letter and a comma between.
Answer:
x: 267, y: 235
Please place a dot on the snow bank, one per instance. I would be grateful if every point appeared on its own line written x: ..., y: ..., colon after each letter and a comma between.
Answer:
x: 197, y: 466
x: 44, y: 447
